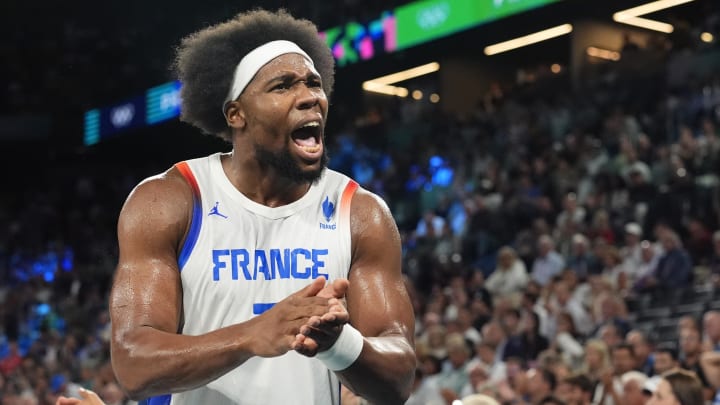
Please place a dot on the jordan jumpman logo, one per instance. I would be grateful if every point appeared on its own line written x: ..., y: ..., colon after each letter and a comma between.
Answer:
x: 214, y: 211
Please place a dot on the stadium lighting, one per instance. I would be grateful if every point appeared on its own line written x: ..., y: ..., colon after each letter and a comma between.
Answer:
x: 648, y: 24
x: 528, y: 39
x: 383, y: 84
x: 631, y: 16
x: 408, y: 74
x: 603, y: 53
x: 381, y: 88
x: 648, y: 8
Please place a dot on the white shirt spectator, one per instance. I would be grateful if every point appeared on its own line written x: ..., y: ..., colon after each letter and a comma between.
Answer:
x: 509, y: 277
x: 546, y: 267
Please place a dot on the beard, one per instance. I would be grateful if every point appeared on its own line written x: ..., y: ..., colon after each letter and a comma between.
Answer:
x: 286, y: 166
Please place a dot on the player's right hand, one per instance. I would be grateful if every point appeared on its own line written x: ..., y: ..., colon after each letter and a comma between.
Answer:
x: 274, y: 332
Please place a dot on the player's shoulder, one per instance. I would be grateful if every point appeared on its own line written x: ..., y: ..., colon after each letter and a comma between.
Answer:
x: 368, y: 208
x: 167, y: 193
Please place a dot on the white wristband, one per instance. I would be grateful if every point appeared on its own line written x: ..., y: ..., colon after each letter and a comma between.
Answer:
x: 344, y: 351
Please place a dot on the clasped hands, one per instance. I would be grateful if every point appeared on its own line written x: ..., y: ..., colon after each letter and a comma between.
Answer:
x: 320, y: 332
x: 308, y: 321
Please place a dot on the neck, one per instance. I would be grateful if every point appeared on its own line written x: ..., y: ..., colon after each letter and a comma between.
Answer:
x: 261, y: 185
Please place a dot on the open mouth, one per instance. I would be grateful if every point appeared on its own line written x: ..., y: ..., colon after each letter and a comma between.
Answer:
x: 307, y: 137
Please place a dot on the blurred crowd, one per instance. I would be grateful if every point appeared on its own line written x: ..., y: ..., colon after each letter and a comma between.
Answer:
x: 537, y: 230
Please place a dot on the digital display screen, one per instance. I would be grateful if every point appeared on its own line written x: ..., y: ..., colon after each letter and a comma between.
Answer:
x: 163, y: 102
x: 354, y: 42
x: 102, y: 123
x: 423, y: 21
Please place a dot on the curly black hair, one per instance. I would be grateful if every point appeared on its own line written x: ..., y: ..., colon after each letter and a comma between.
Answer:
x: 205, y: 61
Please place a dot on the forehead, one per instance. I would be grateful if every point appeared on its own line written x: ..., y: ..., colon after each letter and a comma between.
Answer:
x: 664, y: 388
x: 289, y: 63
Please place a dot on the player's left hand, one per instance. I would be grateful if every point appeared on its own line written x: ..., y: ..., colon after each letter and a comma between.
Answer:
x: 321, y: 332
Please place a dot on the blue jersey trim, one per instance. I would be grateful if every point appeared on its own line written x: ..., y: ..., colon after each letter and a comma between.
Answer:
x: 159, y: 400
x: 196, y: 221
x: 193, y: 234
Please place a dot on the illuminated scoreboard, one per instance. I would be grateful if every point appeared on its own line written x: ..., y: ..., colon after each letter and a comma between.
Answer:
x: 158, y: 104
x: 406, y: 26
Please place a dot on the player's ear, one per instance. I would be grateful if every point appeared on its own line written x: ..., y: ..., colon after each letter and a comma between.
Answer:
x: 234, y: 114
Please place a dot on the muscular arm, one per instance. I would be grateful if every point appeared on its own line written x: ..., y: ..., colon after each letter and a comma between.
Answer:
x: 149, y: 356
x: 379, y: 307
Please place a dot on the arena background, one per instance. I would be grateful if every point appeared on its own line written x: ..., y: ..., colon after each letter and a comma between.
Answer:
x: 574, y: 137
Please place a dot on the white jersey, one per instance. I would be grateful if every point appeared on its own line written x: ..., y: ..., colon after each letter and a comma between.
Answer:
x: 241, y: 257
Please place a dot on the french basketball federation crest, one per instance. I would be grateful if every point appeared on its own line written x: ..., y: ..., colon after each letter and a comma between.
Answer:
x: 328, y: 210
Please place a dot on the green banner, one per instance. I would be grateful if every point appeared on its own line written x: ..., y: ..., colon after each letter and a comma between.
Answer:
x: 424, y: 21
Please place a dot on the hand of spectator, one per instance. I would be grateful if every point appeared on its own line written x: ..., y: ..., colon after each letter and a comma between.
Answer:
x: 505, y: 392
x: 88, y: 398
x: 448, y: 395
x: 607, y: 380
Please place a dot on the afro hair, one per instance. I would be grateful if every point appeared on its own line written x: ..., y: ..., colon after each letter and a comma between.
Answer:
x: 205, y: 61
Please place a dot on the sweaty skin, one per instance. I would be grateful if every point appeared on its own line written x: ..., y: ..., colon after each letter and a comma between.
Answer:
x: 150, y: 358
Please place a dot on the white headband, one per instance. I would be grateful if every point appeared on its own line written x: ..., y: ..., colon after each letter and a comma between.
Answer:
x: 256, y: 59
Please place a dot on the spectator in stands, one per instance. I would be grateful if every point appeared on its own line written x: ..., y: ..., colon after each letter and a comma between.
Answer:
x: 611, y: 334
x: 567, y: 340
x: 649, y: 258
x: 677, y: 387
x: 674, y: 269
x: 424, y: 391
x: 689, y: 321
x: 597, y: 363
x: 711, y: 331
x: 431, y: 226
x: 12, y: 360
x: 533, y: 343
x: 454, y: 374
x: 548, y: 262
x: 563, y: 301
x: 643, y: 350
x: 478, y: 380
x: 666, y: 359
x: 699, y: 242
x: 623, y: 360
x: 690, y: 343
x: 581, y: 260
x: 494, y: 335
x: 486, y: 357
x: 614, y: 272
x: 570, y: 221
x: 510, y: 275
x: 575, y: 389
x: 541, y: 384
x: 632, y: 388
x: 630, y: 251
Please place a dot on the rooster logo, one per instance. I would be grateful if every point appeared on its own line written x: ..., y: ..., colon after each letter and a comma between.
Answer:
x: 328, y: 208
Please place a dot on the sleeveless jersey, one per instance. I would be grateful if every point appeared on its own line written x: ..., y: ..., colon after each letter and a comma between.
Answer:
x: 240, y: 258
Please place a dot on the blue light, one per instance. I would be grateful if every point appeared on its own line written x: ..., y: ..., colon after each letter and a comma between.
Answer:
x: 436, y: 161
x: 92, y: 127
x: 42, y: 309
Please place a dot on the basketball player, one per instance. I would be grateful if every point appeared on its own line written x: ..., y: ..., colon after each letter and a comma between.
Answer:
x: 259, y: 276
